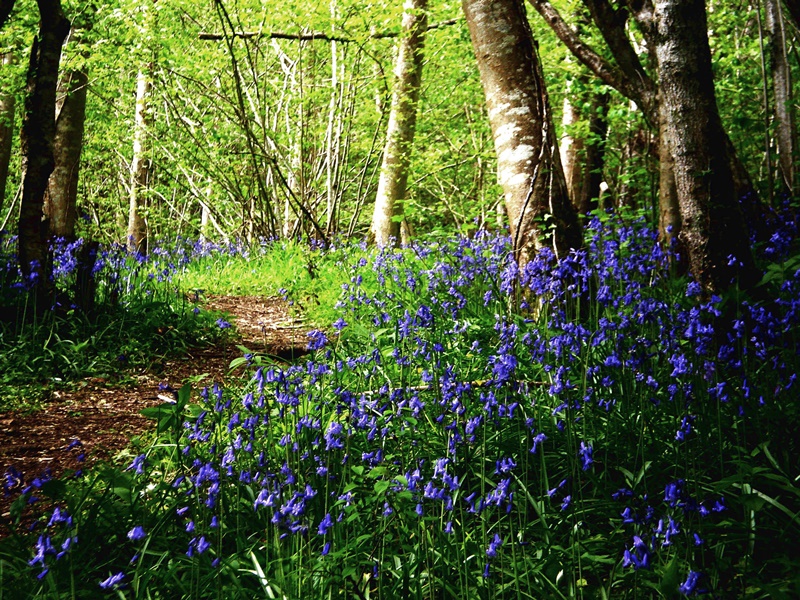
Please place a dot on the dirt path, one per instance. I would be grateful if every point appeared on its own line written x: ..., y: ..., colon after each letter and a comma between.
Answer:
x: 95, y: 421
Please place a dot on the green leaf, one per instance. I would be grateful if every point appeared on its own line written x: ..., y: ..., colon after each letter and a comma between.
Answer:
x: 381, y: 486
x: 670, y: 580
x: 55, y: 489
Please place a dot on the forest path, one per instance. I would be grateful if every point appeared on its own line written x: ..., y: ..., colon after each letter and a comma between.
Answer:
x: 96, y: 419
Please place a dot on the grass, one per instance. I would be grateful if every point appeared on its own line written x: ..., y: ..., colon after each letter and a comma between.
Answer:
x: 590, y: 428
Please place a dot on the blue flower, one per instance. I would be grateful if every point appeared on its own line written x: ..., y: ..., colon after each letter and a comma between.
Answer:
x: 112, y: 581
x: 138, y: 464
x: 688, y: 587
x: 325, y: 524
x: 585, y: 452
x: 316, y: 340
x: 494, y: 545
x: 136, y: 534
x: 223, y: 324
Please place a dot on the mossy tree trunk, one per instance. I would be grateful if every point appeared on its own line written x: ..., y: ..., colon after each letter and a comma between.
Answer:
x: 392, y: 184
x: 528, y: 165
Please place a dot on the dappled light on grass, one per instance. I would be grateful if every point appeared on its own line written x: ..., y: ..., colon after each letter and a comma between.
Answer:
x: 585, y: 428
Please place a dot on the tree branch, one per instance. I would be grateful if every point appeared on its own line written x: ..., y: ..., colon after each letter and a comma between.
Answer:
x: 640, y: 90
x: 611, y: 24
x: 311, y: 35
x: 608, y: 73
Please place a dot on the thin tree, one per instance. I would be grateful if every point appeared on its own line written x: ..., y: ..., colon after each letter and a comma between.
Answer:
x: 393, y: 179
x: 782, y: 91
x: 528, y: 165
x: 137, y: 226
x: 36, y: 142
x: 7, y: 111
x: 62, y: 192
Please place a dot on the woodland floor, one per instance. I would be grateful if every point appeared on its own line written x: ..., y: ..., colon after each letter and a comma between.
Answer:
x: 103, y: 416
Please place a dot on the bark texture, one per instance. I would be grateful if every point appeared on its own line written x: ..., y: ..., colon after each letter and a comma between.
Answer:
x: 402, y: 123
x: 571, y: 146
x: 782, y: 91
x: 712, y: 225
x: 7, y: 111
x: 669, y: 212
x: 628, y: 76
x: 36, y: 140
x: 62, y: 192
x: 528, y: 164
x: 137, y: 227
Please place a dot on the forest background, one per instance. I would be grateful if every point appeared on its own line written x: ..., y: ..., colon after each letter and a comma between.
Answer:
x: 267, y: 135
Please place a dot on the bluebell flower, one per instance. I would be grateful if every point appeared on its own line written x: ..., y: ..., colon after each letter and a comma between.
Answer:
x: 585, y: 452
x: 688, y: 587
x: 138, y: 464
x: 325, y: 524
x: 112, y: 581
x: 494, y: 545
x: 136, y: 534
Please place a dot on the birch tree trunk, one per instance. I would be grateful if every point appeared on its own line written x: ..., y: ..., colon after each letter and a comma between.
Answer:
x: 570, y: 146
x: 137, y: 226
x: 782, y: 90
x: 7, y: 110
x: 393, y: 179
x: 36, y: 143
x: 713, y: 231
x: 62, y: 191
x: 528, y: 165
x: 669, y: 212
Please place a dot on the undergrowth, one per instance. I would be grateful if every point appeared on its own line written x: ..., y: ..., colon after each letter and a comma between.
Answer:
x: 586, y: 428
x: 139, y: 315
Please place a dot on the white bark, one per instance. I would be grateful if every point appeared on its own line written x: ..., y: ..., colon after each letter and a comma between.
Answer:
x: 528, y: 164
x: 402, y: 123
x: 137, y: 226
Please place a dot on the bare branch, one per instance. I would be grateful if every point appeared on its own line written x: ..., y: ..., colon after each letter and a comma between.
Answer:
x: 608, y: 73
x: 611, y: 24
x: 312, y: 35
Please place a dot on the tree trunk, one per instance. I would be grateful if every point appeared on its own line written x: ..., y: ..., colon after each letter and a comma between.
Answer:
x: 669, y: 212
x: 629, y: 78
x: 588, y: 192
x: 712, y: 225
x: 137, y: 226
x: 782, y: 90
x: 7, y: 106
x: 571, y: 147
x: 62, y: 192
x: 36, y: 143
x: 528, y: 165
x: 388, y: 211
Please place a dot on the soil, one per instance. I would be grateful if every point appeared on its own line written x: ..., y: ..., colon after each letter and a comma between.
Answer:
x: 95, y: 419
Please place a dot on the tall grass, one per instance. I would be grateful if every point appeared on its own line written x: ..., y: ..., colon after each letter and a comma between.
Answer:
x: 586, y: 428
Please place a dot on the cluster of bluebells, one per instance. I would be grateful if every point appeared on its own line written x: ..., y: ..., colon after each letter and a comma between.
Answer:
x: 118, y: 272
x: 443, y: 415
